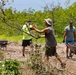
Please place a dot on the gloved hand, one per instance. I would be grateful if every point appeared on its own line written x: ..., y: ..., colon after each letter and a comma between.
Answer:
x: 75, y: 40
x: 63, y: 40
x: 32, y: 28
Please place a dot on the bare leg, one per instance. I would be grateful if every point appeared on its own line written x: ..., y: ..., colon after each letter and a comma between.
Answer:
x: 62, y: 64
x: 46, y: 58
x: 67, y: 53
x: 31, y: 48
x: 57, y: 56
x: 23, y: 51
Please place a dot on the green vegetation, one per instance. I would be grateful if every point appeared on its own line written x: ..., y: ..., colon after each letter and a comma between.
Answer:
x: 1, y: 55
x: 14, y: 20
x: 9, y: 67
x: 18, y: 39
x: 15, y: 39
x: 10, y: 29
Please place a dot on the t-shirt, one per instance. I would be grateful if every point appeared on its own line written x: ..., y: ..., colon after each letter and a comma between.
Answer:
x: 50, y: 38
x: 26, y: 30
x: 70, y: 32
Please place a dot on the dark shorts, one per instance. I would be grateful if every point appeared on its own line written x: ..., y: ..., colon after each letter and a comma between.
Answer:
x: 50, y: 51
x: 26, y: 42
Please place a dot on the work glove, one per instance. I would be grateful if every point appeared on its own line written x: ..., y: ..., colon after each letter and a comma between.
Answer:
x: 63, y: 40
x: 75, y: 40
x: 32, y: 28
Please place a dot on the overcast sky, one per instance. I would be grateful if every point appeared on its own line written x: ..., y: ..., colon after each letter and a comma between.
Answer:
x: 20, y: 5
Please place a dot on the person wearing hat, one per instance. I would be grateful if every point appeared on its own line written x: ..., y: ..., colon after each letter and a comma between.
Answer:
x: 26, y: 39
x: 69, y: 36
x: 50, y: 40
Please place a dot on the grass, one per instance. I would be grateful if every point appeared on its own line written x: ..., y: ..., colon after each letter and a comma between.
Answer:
x: 59, y: 39
x: 1, y: 55
x: 18, y: 39
x: 11, y: 38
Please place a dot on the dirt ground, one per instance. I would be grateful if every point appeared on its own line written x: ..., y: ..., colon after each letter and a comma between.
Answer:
x: 14, y: 51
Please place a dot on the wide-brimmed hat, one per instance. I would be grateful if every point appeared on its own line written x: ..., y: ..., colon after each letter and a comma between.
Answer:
x: 48, y: 21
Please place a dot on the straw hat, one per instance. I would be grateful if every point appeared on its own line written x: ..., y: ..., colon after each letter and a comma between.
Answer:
x: 48, y: 21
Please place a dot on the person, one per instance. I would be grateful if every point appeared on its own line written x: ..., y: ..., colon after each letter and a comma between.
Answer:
x: 26, y: 39
x: 49, y: 36
x: 69, y: 36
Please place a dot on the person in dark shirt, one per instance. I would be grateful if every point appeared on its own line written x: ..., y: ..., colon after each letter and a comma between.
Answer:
x: 50, y: 40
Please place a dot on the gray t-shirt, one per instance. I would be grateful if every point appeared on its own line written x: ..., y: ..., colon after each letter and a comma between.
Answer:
x: 50, y: 38
x: 69, y: 32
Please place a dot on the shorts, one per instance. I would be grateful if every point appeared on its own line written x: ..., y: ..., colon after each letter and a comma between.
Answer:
x: 69, y: 42
x: 50, y: 51
x: 26, y: 42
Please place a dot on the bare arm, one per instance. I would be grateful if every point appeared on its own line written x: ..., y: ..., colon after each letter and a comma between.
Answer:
x: 45, y: 30
x: 42, y: 36
x: 64, y: 36
x: 75, y: 36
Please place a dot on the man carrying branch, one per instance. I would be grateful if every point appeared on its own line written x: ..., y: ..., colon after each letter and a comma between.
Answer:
x: 50, y: 40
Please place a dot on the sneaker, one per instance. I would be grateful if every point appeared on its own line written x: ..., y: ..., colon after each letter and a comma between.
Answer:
x: 24, y: 55
x: 63, y: 65
x: 67, y: 57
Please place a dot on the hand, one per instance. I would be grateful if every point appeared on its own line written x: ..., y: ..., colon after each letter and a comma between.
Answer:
x: 63, y: 41
x: 75, y: 40
x: 33, y: 28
